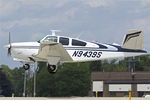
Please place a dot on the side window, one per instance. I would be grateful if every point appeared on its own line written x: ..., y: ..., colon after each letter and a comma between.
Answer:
x: 78, y: 43
x: 64, y: 41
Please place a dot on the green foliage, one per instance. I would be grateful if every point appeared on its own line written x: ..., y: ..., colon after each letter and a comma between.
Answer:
x: 114, y: 66
x: 143, y: 64
x: 7, y: 71
x: 95, y: 66
x: 15, y: 76
x: 5, y: 84
x: 17, y: 81
x: 70, y: 80
x: 45, y: 81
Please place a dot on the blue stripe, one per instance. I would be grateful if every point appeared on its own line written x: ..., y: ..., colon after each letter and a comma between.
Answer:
x: 101, y: 46
x: 120, y: 49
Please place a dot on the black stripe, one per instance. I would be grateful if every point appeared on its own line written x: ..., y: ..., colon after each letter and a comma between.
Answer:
x: 131, y: 35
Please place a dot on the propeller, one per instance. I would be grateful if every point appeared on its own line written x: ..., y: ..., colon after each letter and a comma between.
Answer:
x: 10, y: 46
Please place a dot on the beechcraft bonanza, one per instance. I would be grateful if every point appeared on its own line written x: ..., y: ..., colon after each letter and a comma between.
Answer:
x: 56, y: 50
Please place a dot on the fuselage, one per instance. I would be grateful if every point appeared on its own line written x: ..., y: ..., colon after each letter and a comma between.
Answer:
x: 79, y: 50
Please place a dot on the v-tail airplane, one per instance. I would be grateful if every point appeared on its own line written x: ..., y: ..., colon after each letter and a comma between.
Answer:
x: 56, y: 50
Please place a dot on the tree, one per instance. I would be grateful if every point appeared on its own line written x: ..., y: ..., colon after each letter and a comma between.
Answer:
x: 5, y: 84
x: 114, y: 66
x: 45, y: 81
x: 70, y: 80
x: 74, y: 79
x: 17, y: 81
x: 96, y: 66
x: 143, y: 63
x: 15, y: 76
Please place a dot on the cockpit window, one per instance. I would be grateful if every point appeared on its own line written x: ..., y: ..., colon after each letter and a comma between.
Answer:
x: 78, y: 43
x: 64, y: 41
x: 51, y: 38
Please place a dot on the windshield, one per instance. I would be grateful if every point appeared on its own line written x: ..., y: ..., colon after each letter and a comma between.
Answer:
x: 51, y: 38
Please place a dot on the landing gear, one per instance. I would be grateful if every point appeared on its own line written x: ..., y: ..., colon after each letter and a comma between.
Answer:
x: 26, y: 66
x: 52, y: 68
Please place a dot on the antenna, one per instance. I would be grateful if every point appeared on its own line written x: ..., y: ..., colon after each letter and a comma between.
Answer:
x: 54, y: 32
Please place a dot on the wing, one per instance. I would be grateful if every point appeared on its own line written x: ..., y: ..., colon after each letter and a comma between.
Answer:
x: 53, y: 53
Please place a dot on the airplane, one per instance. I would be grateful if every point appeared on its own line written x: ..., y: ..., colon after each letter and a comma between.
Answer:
x: 56, y: 50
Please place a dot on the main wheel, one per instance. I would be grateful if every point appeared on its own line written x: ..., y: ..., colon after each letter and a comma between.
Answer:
x: 52, y: 68
x: 26, y: 66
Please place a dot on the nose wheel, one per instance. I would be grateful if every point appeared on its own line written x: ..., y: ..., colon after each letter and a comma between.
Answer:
x: 26, y: 66
x: 52, y: 68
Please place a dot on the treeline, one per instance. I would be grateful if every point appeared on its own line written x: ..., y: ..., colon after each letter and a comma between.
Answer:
x: 71, y: 79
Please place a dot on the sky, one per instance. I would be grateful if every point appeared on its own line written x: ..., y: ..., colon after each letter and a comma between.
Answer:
x: 105, y: 21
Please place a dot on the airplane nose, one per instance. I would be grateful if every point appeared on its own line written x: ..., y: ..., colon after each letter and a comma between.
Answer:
x: 7, y: 46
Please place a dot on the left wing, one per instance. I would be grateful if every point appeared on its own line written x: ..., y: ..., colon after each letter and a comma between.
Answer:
x: 53, y: 53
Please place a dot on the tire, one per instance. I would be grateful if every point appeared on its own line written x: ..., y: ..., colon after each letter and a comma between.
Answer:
x: 52, y: 68
x: 26, y: 66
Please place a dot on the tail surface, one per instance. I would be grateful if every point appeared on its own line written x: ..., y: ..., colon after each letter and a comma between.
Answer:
x: 134, y: 39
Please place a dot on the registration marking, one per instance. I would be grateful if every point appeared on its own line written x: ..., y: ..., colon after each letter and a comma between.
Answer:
x: 88, y: 54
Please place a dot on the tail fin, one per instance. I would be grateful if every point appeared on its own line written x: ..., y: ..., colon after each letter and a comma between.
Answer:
x: 134, y: 39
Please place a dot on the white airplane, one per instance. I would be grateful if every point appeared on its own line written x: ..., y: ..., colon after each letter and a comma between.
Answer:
x: 56, y: 50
